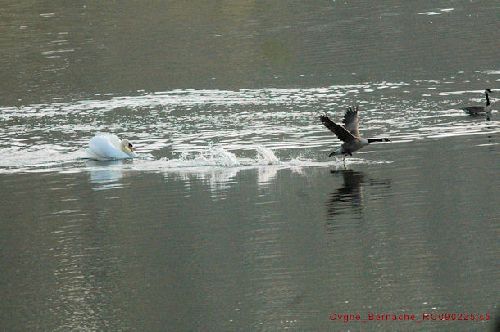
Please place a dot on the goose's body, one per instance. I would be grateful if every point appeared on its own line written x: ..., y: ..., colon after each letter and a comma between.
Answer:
x: 110, y: 147
x: 349, y: 133
x: 480, y: 110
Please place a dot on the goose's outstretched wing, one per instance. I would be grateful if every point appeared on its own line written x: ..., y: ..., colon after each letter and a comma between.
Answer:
x: 338, y: 130
x: 351, y: 120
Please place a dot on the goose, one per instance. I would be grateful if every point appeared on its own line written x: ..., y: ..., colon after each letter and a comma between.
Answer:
x: 110, y: 147
x: 349, y: 133
x: 480, y: 110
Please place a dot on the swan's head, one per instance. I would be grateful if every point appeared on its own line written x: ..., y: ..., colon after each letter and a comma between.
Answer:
x: 487, y: 91
x: 127, y: 147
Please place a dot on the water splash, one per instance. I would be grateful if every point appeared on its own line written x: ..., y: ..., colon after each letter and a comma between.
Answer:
x: 45, y: 158
x: 266, y: 156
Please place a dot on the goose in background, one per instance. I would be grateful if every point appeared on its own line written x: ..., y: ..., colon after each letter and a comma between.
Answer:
x: 480, y: 110
x: 349, y: 133
x: 110, y: 147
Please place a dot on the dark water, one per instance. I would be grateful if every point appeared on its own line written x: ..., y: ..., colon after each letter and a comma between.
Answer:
x: 233, y: 217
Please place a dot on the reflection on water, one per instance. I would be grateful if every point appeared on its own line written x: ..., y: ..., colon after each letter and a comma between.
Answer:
x: 349, y: 198
x: 267, y: 174
x: 105, y: 174
x: 349, y: 194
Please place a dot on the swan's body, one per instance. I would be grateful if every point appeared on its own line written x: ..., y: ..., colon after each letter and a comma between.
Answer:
x: 480, y: 110
x: 349, y: 133
x: 110, y: 147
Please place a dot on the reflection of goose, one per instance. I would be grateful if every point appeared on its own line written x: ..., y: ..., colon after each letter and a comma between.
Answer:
x: 349, y: 198
x: 349, y: 193
x: 480, y: 110
x: 110, y: 147
x: 349, y: 133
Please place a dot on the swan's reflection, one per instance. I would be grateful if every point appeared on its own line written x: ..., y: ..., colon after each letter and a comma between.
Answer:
x: 350, y: 197
x: 105, y: 174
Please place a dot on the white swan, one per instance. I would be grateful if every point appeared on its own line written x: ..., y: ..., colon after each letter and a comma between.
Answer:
x: 110, y: 147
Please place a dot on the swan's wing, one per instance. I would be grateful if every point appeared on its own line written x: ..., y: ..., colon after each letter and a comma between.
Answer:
x: 113, y: 139
x: 351, y: 120
x: 104, y: 147
x: 338, y: 130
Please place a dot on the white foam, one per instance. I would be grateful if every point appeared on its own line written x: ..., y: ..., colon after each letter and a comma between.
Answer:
x: 448, y: 93
x: 41, y: 155
x: 492, y: 72
x: 429, y: 13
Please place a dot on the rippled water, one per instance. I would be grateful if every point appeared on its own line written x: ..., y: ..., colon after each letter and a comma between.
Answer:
x: 191, y: 128
x: 233, y: 217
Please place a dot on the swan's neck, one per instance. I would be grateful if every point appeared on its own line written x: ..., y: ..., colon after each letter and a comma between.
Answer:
x: 487, y: 99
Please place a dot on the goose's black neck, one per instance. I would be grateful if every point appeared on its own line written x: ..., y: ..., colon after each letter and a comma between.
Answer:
x: 487, y: 99
x: 372, y: 140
